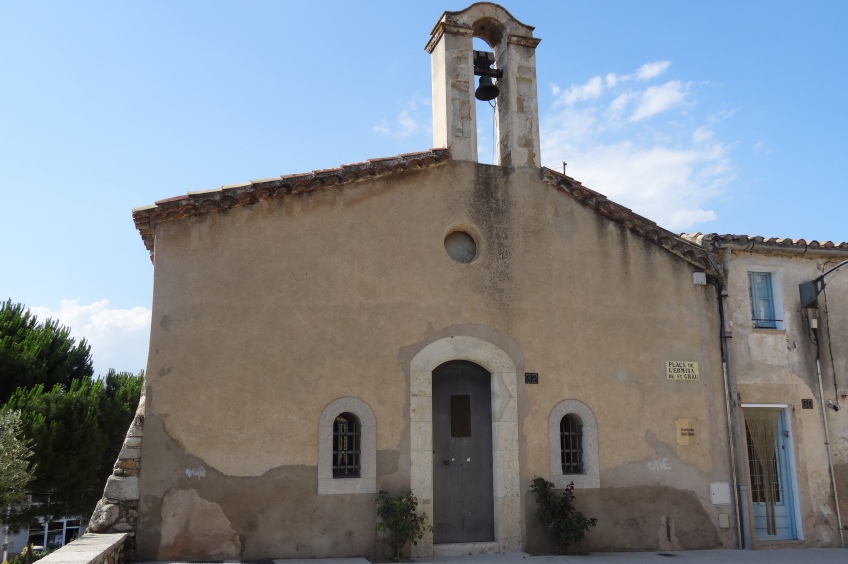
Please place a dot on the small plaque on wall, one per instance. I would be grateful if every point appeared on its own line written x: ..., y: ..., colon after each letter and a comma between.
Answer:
x: 531, y: 377
x: 686, y: 370
x: 806, y: 404
x: 685, y: 431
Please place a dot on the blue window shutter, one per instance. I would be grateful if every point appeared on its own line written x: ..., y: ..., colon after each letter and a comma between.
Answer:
x: 762, y: 300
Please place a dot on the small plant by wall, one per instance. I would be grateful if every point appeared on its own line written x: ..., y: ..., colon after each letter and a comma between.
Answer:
x: 557, y: 513
x: 28, y: 556
x: 399, y: 517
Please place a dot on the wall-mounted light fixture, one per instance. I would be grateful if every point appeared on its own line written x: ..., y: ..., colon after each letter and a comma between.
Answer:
x: 811, y: 290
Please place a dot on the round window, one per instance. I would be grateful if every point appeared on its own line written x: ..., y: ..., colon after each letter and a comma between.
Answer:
x: 461, y: 246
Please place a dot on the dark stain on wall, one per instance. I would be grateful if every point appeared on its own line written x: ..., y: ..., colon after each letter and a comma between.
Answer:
x: 633, y: 518
x: 387, y: 462
x: 490, y: 208
x: 272, y: 514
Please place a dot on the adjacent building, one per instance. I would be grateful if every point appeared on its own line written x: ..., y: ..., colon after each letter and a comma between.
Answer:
x: 789, y: 363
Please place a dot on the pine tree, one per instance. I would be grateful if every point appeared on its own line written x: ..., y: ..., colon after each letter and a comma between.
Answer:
x: 74, y: 423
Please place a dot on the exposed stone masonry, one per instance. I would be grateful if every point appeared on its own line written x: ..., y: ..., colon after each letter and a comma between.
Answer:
x: 117, y: 510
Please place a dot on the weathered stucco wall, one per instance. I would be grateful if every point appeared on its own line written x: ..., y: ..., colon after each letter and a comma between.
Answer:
x: 264, y: 314
x: 778, y: 366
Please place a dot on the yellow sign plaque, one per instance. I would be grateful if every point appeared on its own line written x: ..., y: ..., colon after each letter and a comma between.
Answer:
x: 685, y: 431
x: 682, y: 370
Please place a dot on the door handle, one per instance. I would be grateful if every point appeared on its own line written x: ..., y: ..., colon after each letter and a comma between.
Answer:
x: 446, y: 462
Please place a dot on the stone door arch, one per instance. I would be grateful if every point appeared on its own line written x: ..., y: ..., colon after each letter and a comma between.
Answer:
x: 506, y: 488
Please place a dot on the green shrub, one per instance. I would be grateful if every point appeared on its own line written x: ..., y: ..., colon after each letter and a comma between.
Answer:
x: 398, y: 517
x: 22, y: 557
x: 558, y: 514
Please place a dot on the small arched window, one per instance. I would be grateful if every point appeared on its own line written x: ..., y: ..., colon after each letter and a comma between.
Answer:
x: 347, y: 449
x: 571, y: 444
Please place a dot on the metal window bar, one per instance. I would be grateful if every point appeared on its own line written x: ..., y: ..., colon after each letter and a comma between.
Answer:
x: 755, y: 467
x: 571, y: 445
x: 758, y: 321
x: 346, y: 446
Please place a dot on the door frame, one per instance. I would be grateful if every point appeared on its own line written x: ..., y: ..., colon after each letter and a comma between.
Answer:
x: 792, y: 479
x: 505, y: 464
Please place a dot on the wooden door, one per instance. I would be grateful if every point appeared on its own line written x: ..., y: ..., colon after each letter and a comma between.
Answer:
x: 463, y: 503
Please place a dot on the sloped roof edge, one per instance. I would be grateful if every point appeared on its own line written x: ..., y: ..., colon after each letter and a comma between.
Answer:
x: 146, y: 218
x: 763, y: 244
x: 642, y: 226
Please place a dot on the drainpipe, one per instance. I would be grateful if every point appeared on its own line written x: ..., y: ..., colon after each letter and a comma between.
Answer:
x: 827, y: 444
x: 731, y: 396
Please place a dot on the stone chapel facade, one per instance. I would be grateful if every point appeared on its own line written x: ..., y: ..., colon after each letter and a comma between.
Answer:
x: 430, y: 323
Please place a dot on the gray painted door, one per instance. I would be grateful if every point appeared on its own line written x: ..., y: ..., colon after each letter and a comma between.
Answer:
x: 463, y: 507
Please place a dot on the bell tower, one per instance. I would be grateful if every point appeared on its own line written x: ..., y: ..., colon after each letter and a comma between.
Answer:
x: 453, y: 69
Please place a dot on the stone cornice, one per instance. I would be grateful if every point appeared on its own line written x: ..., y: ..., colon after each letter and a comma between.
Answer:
x: 443, y: 28
x: 688, y: 251
x: 146, y: 218
x: 525, y: 41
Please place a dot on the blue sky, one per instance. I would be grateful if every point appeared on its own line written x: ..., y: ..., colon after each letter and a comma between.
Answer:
x: 711, y: 116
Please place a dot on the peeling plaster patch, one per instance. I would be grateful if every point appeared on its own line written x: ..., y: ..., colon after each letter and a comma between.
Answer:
x: 199, y: 472
x: 196, y: 529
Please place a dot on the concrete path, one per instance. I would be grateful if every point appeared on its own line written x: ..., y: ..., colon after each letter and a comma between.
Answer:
x: 774, y: 556
x: 777, y: 556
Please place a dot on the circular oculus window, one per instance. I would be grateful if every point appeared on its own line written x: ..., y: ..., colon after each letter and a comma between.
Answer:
x: 461, y: 246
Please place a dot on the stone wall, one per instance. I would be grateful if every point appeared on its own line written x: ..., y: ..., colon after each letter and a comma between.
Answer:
x: 91, y: 549
x: 117, y: 510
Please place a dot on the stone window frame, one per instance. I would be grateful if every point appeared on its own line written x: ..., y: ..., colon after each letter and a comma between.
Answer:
x: 590, y: 478
x: 366, y: 483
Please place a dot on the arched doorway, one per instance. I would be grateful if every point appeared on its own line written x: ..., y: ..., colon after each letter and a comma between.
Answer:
x: 504, y: 413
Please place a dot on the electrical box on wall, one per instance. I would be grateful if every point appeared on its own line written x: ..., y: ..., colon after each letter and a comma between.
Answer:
x: 699, y: 278
x: 720, y: 493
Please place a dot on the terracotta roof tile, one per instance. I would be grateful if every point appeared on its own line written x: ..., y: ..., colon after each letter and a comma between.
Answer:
x: 147, y: 217
x: 687, y: 250
x: 760, y: 243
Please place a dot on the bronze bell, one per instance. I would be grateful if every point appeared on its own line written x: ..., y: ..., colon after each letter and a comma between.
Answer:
x: 486, y: 91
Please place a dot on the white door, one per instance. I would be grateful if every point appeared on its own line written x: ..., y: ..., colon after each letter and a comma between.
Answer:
x: 768, y: 436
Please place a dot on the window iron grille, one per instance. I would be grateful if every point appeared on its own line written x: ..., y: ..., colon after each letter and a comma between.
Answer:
x: 347, y: 449
x: 571, y: 444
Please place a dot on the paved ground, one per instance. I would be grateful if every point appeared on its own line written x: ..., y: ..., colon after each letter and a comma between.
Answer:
x: 776, y: 556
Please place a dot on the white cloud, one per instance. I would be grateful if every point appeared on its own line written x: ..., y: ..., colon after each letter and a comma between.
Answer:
x: 657, y: 99
x: 413, y: 119
x: 589, y: 91
x: 702, y: 135
x: 651, y: 70
x: 667, y: 168
x: 762, y: 148
x: 118, y: 337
